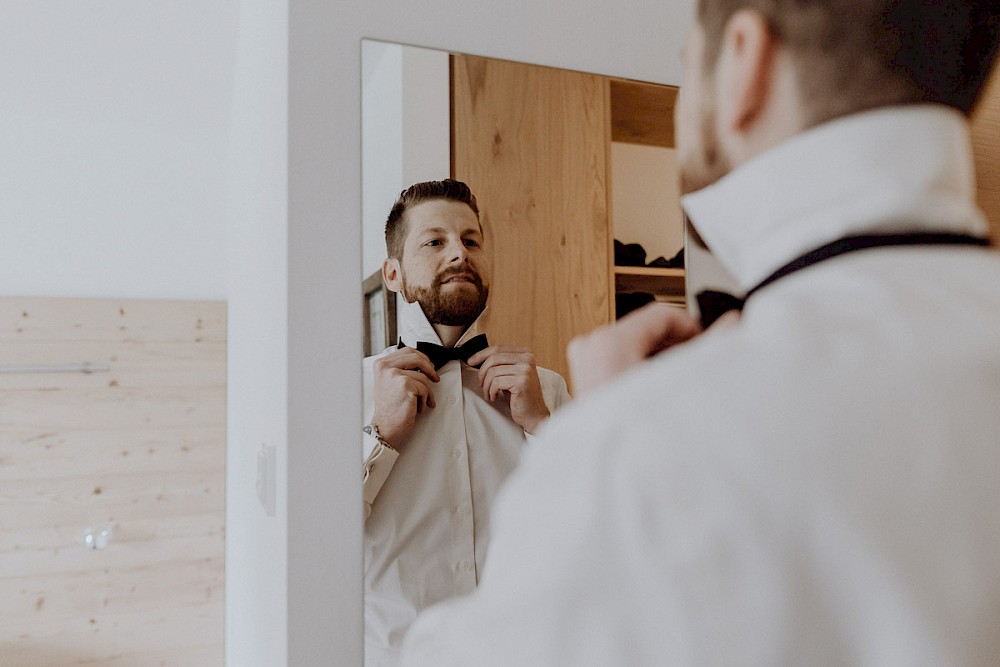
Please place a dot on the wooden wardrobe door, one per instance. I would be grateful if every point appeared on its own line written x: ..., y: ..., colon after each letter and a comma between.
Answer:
x: 137, y: 446
x: 986, y: 147
x: 532, y: 143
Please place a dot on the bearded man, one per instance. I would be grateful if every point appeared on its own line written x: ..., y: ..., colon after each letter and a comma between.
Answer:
x: 448, y: 416
x: 814, y: 482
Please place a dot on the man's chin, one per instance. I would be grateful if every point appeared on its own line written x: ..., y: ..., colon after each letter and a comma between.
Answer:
x: 459, y: 311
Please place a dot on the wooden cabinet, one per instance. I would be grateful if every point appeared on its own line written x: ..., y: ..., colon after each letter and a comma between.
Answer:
x: 534, y: 144
x: 986, y: 147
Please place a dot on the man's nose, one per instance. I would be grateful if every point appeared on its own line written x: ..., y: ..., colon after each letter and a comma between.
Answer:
x: 458, y: 252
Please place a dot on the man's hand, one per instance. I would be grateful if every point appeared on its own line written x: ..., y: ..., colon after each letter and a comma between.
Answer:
x: 512, y: 370
x: 402, y: 391
x: 598, y: 357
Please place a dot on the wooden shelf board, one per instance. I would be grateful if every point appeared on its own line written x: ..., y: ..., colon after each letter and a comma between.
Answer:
x: 649, y: 271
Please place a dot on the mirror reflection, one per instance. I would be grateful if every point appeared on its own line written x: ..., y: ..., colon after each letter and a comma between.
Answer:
x: 547, y: 205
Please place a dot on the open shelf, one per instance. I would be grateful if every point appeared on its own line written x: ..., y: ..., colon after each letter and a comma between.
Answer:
x: 662, y: 282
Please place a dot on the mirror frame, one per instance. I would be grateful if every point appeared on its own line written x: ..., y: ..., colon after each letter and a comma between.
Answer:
x: 322, y: 487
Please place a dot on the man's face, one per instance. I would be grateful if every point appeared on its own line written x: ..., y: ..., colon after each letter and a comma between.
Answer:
x: 699, y: 153
x: 444, y: 267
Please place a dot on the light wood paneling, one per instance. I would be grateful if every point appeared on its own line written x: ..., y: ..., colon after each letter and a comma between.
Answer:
x: 986, y: 146
x: 532, y: 144
x: 140, y: 448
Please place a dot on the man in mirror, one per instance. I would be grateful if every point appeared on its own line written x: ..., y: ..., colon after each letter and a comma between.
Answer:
x: 815, y: 481
x: 447, y: 414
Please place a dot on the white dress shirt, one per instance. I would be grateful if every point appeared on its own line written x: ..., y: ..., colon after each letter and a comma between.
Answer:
x: 428, y: 527
x: 818, y: 484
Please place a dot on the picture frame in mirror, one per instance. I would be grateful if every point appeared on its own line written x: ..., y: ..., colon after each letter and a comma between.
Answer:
x: 379, y: 315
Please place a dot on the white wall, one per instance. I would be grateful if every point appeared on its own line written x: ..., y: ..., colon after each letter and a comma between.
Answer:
x: 114, y: 122
x: 382, y: 138
x: 645, y: 198
x: 426, y: 115
x: 405, y: 132
x: 257, y: 202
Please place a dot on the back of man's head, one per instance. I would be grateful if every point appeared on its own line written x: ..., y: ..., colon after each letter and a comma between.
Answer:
x: 854, y: 55
x: 395, y: 225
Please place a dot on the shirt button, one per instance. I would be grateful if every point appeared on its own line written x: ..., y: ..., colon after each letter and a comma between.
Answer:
x: 462, y: 509
x: 456, y: 454
x: 464, y: 566
x: 452, y: 400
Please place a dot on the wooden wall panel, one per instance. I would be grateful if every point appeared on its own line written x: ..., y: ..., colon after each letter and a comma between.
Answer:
x: 532, y: 144
x: 140, y: 448
x: 986, y: 146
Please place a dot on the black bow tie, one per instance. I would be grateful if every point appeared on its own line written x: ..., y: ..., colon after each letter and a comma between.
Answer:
x: 440, y: 355
x: 712, y: 305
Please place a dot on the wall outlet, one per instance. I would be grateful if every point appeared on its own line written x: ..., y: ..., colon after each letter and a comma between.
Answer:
x: 267, y: 477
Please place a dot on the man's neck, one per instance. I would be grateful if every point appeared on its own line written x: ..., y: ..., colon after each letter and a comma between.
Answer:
x: 449, y: 335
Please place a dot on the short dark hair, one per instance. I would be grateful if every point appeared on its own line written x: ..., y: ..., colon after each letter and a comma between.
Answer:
x: 854, y: 55
x: 395, y: 225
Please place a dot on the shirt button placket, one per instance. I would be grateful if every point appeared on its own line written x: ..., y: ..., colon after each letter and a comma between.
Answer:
x: 464, y: 553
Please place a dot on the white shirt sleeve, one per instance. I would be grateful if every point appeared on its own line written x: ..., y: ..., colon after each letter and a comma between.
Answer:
x: 378, y: 464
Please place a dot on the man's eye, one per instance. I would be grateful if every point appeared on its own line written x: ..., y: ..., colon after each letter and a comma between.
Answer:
x: 472, y: 243
x: 433, y: 242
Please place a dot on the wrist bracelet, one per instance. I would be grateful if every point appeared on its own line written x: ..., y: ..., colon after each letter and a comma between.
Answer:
x: 372, y: 430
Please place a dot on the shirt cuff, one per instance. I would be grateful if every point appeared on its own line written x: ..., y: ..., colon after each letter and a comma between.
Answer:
x: 376, y: 469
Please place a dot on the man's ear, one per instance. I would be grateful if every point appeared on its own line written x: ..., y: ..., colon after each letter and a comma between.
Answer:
x: 392, y: 274
x: 745, y: 71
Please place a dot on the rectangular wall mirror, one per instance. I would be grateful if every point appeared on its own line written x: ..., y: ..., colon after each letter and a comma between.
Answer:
x: 576, y: 180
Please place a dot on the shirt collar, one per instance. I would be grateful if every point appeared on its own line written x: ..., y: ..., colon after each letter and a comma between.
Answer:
x: 884, y: 171
x: 414, y: 327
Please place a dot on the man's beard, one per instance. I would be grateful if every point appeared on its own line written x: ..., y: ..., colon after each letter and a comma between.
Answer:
x: 457, y: 307
x: 710, y: 164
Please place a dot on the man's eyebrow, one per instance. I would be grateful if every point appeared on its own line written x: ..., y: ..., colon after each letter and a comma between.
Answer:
x: 442, y: 230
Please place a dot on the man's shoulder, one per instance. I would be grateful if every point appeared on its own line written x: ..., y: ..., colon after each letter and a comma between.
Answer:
x: 550, y: 378
x: 554, y: 387
x: 548, y: 373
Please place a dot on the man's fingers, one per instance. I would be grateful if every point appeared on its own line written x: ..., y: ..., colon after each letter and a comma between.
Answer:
x: 655, y: 327
x: 598, y: 357
x: 522, y: 360
x: 484, y: 356
x: 498, y: 384
x: 416, y: 383
x: 407, y: 359
x: 518, y: 370
x: 481, y: 356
